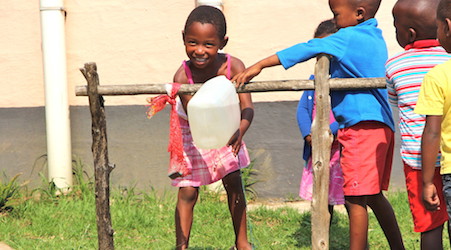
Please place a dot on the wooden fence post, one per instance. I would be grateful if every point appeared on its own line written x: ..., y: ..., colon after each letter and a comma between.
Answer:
x: 102, y: 168
x: 321, y: 144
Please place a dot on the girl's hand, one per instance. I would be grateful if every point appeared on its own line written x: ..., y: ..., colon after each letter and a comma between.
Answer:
x: 430, y: 197
x: 235, y: 142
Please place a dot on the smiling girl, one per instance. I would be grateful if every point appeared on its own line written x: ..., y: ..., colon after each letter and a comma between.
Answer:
x: 203, y: 36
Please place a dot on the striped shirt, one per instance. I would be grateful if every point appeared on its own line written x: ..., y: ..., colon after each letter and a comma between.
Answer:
x: 404, y: 73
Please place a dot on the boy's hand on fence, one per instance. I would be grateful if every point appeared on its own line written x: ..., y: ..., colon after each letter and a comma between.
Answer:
x: 430, y: 197
x: 247, y: 75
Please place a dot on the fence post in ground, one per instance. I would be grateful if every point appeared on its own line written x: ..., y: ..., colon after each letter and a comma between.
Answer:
x: 102, y: 168
x: 321, y: 144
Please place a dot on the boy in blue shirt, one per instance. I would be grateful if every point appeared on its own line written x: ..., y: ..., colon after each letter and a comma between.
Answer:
x: 365, y: 120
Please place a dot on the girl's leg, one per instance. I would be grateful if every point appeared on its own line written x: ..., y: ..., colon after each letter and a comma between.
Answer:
x: 237, y: 207
x: 387, y: 220
x: 186, y: 200
x: 331, y: 212
x: 358, y: 222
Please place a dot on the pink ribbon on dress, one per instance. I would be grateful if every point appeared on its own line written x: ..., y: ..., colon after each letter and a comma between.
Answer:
x: 177, y: 163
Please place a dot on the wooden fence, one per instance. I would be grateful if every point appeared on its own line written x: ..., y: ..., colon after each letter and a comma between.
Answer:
x: 321, y: 137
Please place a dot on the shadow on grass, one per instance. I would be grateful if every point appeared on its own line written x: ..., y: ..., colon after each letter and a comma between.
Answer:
x: 339, y: 232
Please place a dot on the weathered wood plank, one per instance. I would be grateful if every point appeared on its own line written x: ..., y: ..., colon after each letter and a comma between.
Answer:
x: 262, y: 86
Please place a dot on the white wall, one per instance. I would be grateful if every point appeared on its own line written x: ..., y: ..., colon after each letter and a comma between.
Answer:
x: 140, y: 42
x: 21, y: 77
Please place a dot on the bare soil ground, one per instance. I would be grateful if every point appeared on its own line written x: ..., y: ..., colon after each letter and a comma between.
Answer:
x: 301, y: 206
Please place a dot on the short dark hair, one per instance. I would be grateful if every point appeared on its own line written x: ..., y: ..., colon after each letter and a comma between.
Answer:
x: 371, y: 6
x: 444, y: 10
x: 208, y: 14
x: 326, y: 27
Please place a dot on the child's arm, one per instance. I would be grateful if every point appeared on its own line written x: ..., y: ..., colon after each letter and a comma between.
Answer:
x: 334, y: 128
x: 392, y: 95
x: 247, y: 110
x: 247, y: 75
x: 180, y: 77
x: 430, y: 145
x: 247, y: 114
x: 335, y: 45
x: 304, y: 116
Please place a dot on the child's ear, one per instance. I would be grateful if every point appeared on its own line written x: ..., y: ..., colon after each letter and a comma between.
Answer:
x: 448, y: 27
x: 183, y: 35
x: 224, y: 42
x: 412, y: 35
x: 361, y: 12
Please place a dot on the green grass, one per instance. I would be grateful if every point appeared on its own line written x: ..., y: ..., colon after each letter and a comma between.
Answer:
x: 145, y: 220
x: 9, y: 190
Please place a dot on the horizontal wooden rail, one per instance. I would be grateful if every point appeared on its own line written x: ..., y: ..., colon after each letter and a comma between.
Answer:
x: 261, y: 86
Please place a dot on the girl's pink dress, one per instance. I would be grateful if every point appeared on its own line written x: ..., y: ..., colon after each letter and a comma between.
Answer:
x: 207, y: 165
x: 336, y: 195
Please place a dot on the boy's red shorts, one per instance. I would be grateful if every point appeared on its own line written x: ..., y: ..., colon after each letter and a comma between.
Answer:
x: 423, y: 219
x: 366, y: 157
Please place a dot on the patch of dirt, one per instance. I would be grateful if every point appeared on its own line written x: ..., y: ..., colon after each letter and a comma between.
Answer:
x: 302, y: 206
x: 3, y: 246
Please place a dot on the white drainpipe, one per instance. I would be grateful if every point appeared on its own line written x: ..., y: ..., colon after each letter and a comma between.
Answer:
x: 59, y: 156
x: 215, y: 3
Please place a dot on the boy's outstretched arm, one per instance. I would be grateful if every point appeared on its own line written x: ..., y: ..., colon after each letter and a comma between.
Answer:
x: 247, y: 75
x: 430, y: 146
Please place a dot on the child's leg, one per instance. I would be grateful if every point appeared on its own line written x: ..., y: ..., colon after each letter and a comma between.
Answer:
x: 387, y: 219
x: 428, y: 223
x: 449, y: 232
x: 446, y: 178
x: 358, y: 221
x: 367, y: 151
x: 237, y: 207
x: 432, y: 239
x: 331, y: 212
x: 186, y: 200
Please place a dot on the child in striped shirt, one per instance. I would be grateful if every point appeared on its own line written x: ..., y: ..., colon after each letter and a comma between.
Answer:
x: 415, y: 25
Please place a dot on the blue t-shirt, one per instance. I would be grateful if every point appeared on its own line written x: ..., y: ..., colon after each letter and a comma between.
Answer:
x: 358, y: 52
